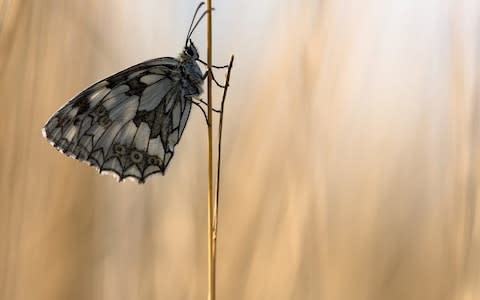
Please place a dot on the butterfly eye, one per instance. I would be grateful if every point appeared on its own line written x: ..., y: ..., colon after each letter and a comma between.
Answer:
x: 136, y: 156
x: 189, y: 51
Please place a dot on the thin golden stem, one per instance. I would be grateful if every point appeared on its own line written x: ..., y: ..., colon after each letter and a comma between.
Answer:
x: 211, y: 257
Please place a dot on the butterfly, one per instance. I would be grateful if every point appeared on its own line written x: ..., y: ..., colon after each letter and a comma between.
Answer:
x: 128, y: 124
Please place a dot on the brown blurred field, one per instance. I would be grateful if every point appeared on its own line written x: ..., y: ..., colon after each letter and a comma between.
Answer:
x: 351, y: 165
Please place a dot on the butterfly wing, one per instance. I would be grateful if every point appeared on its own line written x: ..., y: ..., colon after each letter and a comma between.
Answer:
x: 127, y: 124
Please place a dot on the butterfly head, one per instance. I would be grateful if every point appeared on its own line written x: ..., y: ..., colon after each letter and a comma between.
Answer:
x: 190, y: 52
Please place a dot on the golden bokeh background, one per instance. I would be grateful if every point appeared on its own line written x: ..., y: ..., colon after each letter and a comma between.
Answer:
x: 351, y: 161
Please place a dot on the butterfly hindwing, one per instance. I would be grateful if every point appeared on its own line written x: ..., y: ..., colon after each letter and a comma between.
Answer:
x: 127, y: 124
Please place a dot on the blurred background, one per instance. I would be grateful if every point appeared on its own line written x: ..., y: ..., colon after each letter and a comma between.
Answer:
x: 351, y: 163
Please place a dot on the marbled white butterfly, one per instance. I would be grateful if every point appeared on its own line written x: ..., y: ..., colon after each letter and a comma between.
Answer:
x: 128, y: 124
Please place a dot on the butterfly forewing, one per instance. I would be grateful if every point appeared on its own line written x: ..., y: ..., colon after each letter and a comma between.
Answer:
x: 129, y: 123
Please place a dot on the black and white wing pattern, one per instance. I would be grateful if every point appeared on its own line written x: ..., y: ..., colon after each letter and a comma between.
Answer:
x: 129, y: 123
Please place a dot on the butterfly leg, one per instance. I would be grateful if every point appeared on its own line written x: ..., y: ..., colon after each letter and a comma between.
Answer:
x: 201, y: 107
x: 201, y: 100
x: 203, y: 111
x: 215, y: 80
x: 213, y: 76
x: 215, y: 67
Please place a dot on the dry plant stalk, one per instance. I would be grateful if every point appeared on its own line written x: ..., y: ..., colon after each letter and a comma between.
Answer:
x: 211, y: 258
x: 213, y: 206
x: 219, y: 152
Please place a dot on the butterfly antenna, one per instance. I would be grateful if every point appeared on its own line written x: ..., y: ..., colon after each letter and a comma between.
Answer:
x: 196, y: 24
x: 193, y: 20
